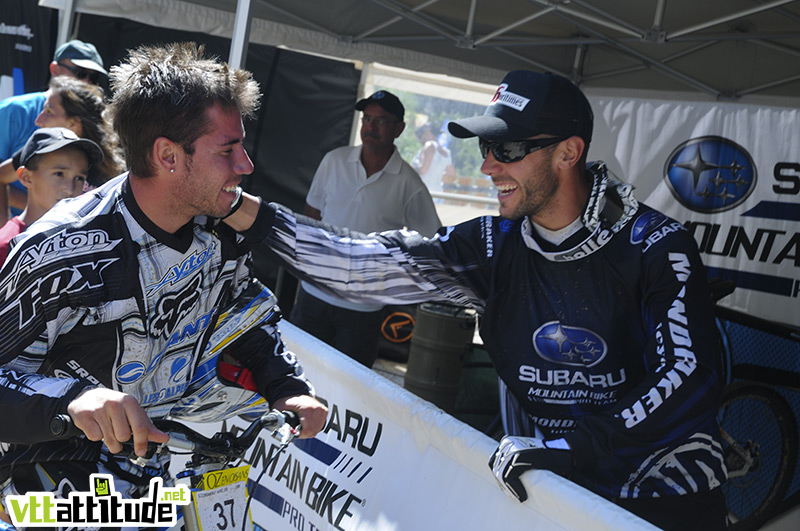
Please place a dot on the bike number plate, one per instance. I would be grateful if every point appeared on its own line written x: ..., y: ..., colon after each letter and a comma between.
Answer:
x: 220, y: 499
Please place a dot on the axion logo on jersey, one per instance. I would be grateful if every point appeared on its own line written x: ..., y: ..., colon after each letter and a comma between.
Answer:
x: 710, y: 174
x: 189, y: 265
x: 62, y: 244
x: 173, y: 307
x: 503, y: 97
x: 569, y: 345
x: 644, y: 224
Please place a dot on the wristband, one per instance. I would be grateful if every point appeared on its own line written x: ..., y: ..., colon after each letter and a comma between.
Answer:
x: 237, y: 203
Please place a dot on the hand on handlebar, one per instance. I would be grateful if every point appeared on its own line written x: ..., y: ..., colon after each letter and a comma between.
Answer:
x: 311, y: 411
x: 114, y: 417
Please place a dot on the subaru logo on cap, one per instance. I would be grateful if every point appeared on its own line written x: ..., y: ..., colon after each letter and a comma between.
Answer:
x: 710, y: 174
x: 569, y: 345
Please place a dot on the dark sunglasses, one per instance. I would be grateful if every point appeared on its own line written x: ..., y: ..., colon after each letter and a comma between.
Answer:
x: 82, y: 74
x: 516, y: 149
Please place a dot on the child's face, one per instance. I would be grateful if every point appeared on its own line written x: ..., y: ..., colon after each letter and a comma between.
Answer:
x: 60, y: 174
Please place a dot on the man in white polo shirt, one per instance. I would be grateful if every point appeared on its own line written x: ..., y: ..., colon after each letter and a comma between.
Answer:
x: 365, y: 188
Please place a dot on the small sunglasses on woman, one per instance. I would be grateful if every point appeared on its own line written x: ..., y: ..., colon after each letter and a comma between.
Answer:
x: 515, y: 150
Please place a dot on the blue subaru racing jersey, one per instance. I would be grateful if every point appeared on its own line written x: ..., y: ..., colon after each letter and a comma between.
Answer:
x: 94, y: 294
x: 606, y: 340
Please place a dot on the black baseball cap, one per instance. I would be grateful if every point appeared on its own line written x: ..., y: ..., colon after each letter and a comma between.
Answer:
x: 527, y: 104
x: 49, y: 139
x: 385, y: 99
x: 82, y: 54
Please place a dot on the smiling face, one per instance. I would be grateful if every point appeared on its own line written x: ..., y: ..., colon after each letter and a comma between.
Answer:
x: 526, y: 187
x: 211, y: 175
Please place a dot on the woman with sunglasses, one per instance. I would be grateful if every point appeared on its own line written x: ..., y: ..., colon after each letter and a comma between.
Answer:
x: 79, y: 107
x: 594, y: 308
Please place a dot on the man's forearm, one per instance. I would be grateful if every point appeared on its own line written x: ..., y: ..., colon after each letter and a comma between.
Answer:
x: 245, y: 216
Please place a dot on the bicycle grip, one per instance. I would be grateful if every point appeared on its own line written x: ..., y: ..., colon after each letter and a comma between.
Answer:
x: 291, y: 418
x: 62, y: 427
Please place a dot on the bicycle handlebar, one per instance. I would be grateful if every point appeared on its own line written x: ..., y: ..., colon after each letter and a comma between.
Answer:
x: 220, y: 445
x: 225, y: 444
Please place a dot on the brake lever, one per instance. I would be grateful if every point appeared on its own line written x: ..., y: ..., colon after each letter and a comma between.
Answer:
x: 289, y: 428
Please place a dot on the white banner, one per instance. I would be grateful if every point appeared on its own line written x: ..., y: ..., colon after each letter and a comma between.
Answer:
x: 388, y: 460
x: 730, y: 173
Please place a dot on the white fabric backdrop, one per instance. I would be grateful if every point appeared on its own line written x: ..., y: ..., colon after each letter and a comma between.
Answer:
x: 637, y: 136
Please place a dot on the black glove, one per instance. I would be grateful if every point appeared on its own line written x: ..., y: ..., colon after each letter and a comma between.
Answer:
x: 516, y: 455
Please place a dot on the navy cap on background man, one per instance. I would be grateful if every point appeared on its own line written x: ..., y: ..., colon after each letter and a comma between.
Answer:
x: 78, y: 59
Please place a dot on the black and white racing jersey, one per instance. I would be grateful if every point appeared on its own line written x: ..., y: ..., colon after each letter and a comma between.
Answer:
x: 94, y: 294
x: 606, y: 340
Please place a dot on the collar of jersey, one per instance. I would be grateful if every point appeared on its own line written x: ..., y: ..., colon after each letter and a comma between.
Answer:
x: 601, y: 217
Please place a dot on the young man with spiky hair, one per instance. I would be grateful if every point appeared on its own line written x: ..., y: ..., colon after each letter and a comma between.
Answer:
x: 109, y: 301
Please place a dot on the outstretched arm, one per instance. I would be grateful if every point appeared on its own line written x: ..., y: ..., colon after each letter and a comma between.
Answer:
x: 245, y: 215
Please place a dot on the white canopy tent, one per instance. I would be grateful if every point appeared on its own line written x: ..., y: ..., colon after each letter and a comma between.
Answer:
x: 741, y: 50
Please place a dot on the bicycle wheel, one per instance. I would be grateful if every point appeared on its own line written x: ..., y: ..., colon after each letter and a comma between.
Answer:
x: 760, y: 445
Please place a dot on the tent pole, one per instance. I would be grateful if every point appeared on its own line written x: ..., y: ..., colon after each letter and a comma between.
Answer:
x: 241, y: 34
x: 66, y: 15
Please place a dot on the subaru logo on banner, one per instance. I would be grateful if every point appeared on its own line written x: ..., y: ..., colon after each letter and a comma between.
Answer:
x: 710, y: 174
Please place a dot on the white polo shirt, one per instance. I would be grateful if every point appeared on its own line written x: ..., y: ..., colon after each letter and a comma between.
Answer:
x: 393, y: 198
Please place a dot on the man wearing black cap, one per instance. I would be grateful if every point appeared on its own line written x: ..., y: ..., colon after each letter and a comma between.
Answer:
x: 594, y: 308
x: 366, y: 188
x: 76, y: 59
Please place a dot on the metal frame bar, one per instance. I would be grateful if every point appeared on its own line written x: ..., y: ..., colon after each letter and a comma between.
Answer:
x: 237, y: 57
x: 392, y: 20
x: 514, y: 24
x: 66, y: 17
x: 605, y: 22
x: 649, y: 60
x: 728, y: 18
x: 428, y: 22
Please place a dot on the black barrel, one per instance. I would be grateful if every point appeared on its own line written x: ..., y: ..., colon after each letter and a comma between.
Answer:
x: 441, y: 335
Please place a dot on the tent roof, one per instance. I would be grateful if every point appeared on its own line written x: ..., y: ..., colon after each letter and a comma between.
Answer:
x: 717, y: 49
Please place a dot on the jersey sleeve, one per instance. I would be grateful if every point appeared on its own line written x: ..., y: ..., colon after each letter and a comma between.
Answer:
x: 391, y: 267
x: 679, y: 395
x: 276, y: 371
x: 36, y: 293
